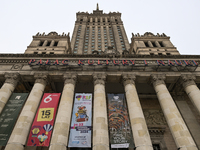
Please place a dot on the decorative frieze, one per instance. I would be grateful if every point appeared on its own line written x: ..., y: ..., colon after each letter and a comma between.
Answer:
x: 154, y: 117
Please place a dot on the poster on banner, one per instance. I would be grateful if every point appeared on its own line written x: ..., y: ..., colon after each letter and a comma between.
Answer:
x: 80, y: 131
x: 119, y: 124
x: 9, y: 115
x: 42, y: 126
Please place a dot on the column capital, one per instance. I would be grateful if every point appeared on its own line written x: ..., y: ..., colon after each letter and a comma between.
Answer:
x: 187, y: 79
x: 157, y: 79
x: 70, y: 78
x: 128, y: 79
x: 99, y: 78
x: 41, y: 78
x: 12, y: 78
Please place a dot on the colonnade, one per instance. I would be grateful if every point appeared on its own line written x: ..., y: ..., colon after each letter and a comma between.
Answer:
x: 178, y: 128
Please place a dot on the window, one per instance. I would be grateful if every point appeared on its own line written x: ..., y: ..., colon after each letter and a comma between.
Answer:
x: 146, y: 44
x: 51, y: 52
x: 56, y: 43
x: 43, y: 52
x: 168, y: 54
x: 160, y: 54
x: 156, y: 146
x: 161, y: 44
x: 41, y: 43
x: 35, y: 53
x: 153, y: 43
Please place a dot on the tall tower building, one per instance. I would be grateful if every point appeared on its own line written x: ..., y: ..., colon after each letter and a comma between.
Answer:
x: 98, y: 32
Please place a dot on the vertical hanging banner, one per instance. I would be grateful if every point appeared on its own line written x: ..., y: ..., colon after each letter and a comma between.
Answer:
x: 40, y: 133
x: 119, y: 125
x: 80, y: 132
x: 9, y: 115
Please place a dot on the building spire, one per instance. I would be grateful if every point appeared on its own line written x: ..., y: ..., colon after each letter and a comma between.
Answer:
x: 97, y: 6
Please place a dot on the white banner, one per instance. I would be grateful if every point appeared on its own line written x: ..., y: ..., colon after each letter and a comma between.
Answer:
x: 80, y: 132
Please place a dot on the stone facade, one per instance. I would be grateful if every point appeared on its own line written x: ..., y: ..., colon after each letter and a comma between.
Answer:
x: 162, y: 91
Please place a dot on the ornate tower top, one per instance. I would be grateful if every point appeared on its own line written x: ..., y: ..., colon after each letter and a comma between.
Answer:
x: 97, y: 6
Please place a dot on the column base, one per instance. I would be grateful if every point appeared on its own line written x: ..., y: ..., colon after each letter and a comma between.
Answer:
x: 57, y: 147
x: 144, y: 147
x: 100, y: 147
x: 13, y: 146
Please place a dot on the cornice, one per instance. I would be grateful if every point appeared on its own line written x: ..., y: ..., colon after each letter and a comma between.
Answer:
x: 28, y: 56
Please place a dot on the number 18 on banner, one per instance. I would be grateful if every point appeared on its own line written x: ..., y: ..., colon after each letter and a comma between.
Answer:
x: 42, y: 126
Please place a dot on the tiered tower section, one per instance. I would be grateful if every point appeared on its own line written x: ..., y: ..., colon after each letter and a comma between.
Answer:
x: 98, y: 32
x: 51, y: 43
x: 150, y: 44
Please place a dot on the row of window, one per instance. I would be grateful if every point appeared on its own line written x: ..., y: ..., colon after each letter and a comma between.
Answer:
x: 153, y: 44
x: 48, y: 43
x: 43, y: 53
x: 120, y: 37
x: 98, y: 20
x: 160, y: 54
x: 77, y: 40
x: 98, y: 37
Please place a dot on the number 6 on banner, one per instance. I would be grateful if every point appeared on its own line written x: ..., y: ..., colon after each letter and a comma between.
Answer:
x: 48, y: 99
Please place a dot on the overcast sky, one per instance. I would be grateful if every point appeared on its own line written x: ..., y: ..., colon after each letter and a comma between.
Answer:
x: 21, y: 19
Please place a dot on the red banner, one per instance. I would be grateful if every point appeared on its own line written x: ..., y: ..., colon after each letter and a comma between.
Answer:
x: 40, y: 133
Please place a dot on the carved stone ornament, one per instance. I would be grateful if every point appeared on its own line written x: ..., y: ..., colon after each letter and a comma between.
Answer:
x: 70, y: 78
x: 128, y: 79
x: 154, y: 117
x: 157, y: 79
x: 12, y: 78
x: 41, y: 78
x: 99, y: 78
x: 187, y: 79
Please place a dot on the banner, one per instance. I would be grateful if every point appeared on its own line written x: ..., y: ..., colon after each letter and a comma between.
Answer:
x: 80, y: 132
x: 40, y: 133
x: 9, y: 115
x: 119, y: 125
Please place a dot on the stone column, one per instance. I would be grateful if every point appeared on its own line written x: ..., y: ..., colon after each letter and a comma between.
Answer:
x: 150, y: 44
x: 100, y: 121
x: 62, y: 124
x: 138, y: 124
x: 21, y: 130
x: 178, y: 128
x: 7, y: 88
x: 157, y: 44
x: 191, y: 89
x: 52, y: 43
x: 45, y: 43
